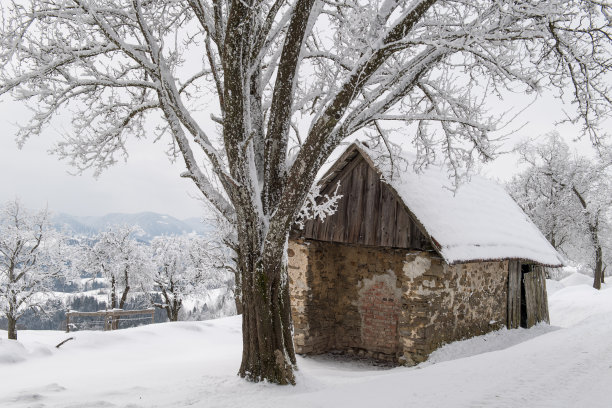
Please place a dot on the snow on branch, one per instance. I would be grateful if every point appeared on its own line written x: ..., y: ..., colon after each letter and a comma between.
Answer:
x: 318, y: 206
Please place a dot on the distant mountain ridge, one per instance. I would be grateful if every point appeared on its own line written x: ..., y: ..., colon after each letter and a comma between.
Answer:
x: 153, y: 224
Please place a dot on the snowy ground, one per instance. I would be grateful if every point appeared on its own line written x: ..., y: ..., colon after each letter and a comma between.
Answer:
x: 194, y: 364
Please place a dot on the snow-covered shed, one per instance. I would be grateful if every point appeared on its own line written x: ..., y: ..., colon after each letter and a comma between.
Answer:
x: 406, y: 264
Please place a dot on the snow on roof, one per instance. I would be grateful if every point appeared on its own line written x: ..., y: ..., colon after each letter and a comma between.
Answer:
x: 480, y: 221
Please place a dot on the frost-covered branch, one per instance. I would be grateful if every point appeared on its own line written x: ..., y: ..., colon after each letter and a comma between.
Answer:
x: 318, y: 206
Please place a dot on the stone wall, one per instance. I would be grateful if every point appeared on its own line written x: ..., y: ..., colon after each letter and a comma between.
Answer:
x: 386, y: 303
x: 312, y: 300
x: 448, y: 303
x: 345, y: 298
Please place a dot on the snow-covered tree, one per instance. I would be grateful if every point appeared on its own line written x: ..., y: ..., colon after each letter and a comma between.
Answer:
x: 292, y: 79
x: 32, y: 256
x: 118, y: 257
x: 569, y: 197
x: 184, y: 266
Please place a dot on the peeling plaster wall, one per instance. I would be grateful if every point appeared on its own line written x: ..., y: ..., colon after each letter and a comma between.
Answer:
x: 389, y: 304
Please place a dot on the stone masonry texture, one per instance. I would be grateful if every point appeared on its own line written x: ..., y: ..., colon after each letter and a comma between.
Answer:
x: 389, y: 304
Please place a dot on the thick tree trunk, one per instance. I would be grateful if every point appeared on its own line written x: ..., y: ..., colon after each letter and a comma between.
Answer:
x: 124, y: 297
x: 176, y: 307
x: 12, y: 312
x: 593, y: 224
x: 121, y: 305
x: 12, y: 327
x: 268, y: 352
x: 238, y: 301
x: 598, y: 268
x: 126, y: 278
x: 598, y: 278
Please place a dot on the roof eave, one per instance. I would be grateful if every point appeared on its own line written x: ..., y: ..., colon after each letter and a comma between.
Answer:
x: 522, y: 260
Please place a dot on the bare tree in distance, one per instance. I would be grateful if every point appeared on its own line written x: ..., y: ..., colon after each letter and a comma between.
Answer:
x: 570, y: 198
x: 183, y: 266
x: 117, y: 256
x: 292, y: 79
x: 32, y: 256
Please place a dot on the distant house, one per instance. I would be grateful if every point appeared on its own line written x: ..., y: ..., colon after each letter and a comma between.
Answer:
x: 406, y: 265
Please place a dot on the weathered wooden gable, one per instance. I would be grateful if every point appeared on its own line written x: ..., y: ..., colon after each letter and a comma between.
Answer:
x: 369, y: 213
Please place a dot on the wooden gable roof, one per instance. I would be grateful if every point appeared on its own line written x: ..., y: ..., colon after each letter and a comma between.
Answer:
x: 369, y: 212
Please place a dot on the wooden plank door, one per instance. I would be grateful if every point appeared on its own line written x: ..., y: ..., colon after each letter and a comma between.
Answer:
x: 536, y: 298
x: 514, y: 294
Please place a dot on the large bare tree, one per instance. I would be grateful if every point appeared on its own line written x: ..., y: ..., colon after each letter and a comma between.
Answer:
x: 32, y: 257
x: 120, y: 258
x: 569, y: 197
x: 291, y: 79
x: 183, y: 266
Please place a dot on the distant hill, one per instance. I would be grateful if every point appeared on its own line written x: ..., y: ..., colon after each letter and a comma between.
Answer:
x: 152, y: 224
x: 199, y: 226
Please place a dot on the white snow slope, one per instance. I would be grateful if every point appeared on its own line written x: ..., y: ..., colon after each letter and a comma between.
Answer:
x: 194, y: 364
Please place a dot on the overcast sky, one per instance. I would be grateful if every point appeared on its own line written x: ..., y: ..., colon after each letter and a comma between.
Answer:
x: 146, y: 182
x: 149, y: 182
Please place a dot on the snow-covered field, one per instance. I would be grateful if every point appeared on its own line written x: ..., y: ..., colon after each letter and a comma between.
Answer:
x: 194, y: 364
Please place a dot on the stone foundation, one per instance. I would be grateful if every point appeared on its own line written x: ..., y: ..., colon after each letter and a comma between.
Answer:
x: 389, y: 304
